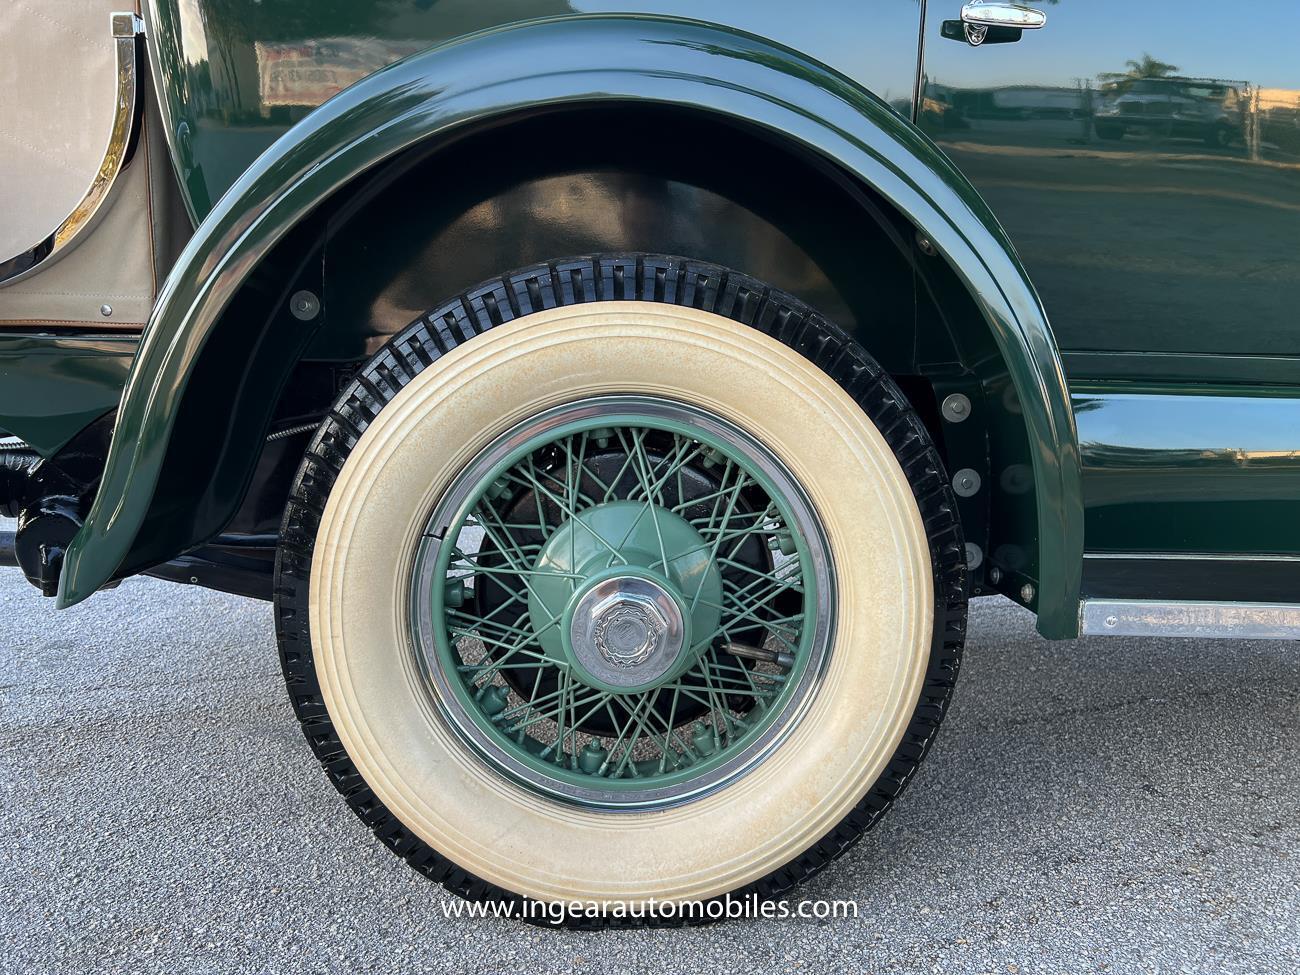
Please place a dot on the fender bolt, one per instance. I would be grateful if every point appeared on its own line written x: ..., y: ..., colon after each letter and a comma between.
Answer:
x: 304, y: 306
x: 956, y: 407
x: 966, y: 483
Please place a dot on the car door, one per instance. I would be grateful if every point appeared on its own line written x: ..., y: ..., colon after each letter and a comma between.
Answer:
x: 1145, y: 159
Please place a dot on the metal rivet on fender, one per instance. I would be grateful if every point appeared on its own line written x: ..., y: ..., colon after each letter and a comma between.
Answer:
x: 1027, y: 593
x: 304, y: 305
x: 956, y: 407
x: 106, y: 310
x: 995, y: 575
x: 925, y: 245
x: 966, y: 483
x: 974, y: 555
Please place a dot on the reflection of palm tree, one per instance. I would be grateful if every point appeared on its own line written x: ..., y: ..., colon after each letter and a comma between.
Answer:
x: 1147, y: 67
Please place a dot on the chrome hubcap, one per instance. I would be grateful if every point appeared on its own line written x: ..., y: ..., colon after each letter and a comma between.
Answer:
x: 626, y: 631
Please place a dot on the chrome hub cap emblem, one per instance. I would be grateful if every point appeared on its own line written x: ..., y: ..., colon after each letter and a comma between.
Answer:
x: 627, y: 630
x: 628, y: 634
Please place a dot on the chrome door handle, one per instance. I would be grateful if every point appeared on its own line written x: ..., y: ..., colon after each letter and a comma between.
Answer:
x: 977, y: 17
x: 1002, y: 15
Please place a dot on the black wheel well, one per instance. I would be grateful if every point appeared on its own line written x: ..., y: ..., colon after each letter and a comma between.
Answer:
x: 580, y: 179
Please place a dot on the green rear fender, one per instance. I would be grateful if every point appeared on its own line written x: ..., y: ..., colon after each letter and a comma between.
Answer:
x: 544, y: 64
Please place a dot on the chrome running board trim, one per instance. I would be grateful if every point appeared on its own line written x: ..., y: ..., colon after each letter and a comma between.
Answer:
x: 1190, y: 618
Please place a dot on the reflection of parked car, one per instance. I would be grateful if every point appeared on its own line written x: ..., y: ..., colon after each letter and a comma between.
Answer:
x: 1182, y: 107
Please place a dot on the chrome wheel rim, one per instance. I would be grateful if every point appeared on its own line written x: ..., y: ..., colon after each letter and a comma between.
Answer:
x: 623, y: 602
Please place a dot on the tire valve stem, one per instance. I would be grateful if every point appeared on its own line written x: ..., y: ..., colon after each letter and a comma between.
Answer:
x: 783, y: 660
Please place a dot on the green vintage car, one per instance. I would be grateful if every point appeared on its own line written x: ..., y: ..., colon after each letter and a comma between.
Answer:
x: 619, y: 402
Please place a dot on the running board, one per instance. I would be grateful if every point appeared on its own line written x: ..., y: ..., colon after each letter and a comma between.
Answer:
x: 1191, y: 618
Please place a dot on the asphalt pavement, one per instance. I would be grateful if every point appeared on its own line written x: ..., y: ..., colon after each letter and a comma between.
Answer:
x: 1100, y: 805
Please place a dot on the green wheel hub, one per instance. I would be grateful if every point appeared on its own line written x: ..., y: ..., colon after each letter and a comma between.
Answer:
x: 622, y: 602
x: 631, y: 583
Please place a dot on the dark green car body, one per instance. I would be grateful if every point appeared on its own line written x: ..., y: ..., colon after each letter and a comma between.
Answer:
x: 1107, y: 274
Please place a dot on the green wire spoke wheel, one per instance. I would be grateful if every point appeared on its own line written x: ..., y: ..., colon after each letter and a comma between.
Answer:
x: 625, y: 580
x: 623, y: 602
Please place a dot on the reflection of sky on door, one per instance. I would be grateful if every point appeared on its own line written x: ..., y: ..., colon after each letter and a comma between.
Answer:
x: 1181, y: 32
x: 872, y: 41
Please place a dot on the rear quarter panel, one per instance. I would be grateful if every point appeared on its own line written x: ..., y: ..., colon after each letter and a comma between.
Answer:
x: 234, y: 75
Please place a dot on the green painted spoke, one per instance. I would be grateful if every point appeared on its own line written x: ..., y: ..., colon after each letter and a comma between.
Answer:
x: 713, y: 553
x: 496, y: 630
x: 654, y: 476
x: 652, y: 491
x: 725, y: 671
x: 640, y: 719
x: 553, y: 716
x: 547, y: 707
x: 704, y: 523
x: 606, y: 490
x: 746, y: 610
x: 670, y: 727
x: 508, y: 649
x: 492, y: 668
x: 469, y: 620
x: 491, y: 615
x: 490, y: 532
x: 524, y: 573
x: 726, y: 683
x: 756, y: 692
x: 610, y: 491
x: 783, y: 573
x: 724, y: 668
x: 574, y: 519
x: 735, y: 549
x: 568, y: 485
x: 566, y: 692
x: 508, y: 548
x: 644, y: 702
x: 758, y: 593
x: 537, y: 498
x: 724, y: 628
x: 717, y: 703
